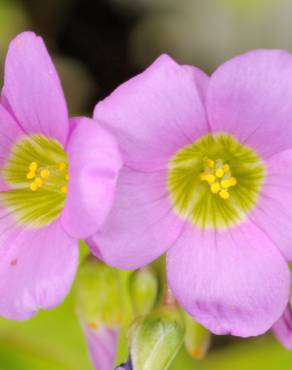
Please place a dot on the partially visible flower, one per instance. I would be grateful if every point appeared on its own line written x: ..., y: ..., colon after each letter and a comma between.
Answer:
x: 100, y: 309
x: 207, y: 178
x: 56, y: 184
x: 283, y: 328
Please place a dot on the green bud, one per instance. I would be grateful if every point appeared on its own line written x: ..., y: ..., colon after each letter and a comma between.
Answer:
x: 155, y: 339
x: 143, y: 287
x: 197, y: 337
x: 99, y: 298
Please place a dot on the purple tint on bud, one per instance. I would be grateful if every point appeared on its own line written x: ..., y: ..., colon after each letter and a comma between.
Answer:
x: 126, y: 366
x: 102, y: 344
x: 283, y: 328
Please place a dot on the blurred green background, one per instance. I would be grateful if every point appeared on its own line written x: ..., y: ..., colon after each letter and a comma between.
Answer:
x: 96, y: 45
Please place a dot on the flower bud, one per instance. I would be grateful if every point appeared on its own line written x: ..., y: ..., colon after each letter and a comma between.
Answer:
x: 102, y: 345
x: 155, y: 339
x: 282, y: 329
x: 100, y: 308
x: 143, y: 286
x: 99, y: 294
x: 197, y: 337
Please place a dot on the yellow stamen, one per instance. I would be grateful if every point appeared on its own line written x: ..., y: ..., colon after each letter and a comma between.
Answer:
x: 218, y: 175
x: 45, y: 173
x: 225, y: 183
x: 224, y: 194
x: 232, y: 181
x: 61, y: 166
x: 63, y: 189
x: 39, y: 182
x: 210, y: 178
x: 215, y: 188
x: 219, y: 172
x: 33, y: 166
x: 33, y: 186
x: 67, y: 177
x: 30, y: 175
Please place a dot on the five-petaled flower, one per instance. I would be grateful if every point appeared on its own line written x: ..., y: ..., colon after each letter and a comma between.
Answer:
x: 207, y: 177
x: 57, y: 182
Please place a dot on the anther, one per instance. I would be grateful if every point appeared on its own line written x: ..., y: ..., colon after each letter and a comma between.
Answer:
x: 215, y: 187
x: 224, y: 194
x: 210, y: 178
x: 218, y: 175
x: 33, y: 186
x: 232, y: 181
x: 219, y: 172
x: 30, y: 175
x: 45, y: 173
x: 33, y: 166
x: 225, y: 183
x: 39, y: 182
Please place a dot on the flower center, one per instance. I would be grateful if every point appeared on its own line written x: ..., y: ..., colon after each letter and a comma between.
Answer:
x: 37, y: 174
x: 52, y: 177
x: 218, y: 176
x: 215, y: 182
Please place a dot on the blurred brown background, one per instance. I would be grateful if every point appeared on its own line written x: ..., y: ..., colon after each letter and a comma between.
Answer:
x: 97, y: 44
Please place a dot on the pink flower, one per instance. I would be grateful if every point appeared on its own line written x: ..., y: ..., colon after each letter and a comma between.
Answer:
x: 43, y: 212
x: 207, y: 178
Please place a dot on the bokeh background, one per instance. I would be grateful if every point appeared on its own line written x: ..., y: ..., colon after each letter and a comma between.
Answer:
x: 96, y: 45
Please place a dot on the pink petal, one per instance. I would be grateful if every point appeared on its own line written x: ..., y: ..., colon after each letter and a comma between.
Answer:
x: 141, y: 225
x: 200, y: 79
x: 156, y: 113
x: 250, y: 97
x: 102, y: 344
x: 283, y: 328
x: 233, y: 282
x: 36, y: 270
x: 152, y: 116
x: 94, y: 163
x: 273, y: 213
x: 10, y: 132
x: 32, y: 88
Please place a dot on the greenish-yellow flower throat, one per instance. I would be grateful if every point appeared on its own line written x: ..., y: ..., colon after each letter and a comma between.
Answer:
x: 215, y: 182
x: 37, y: 175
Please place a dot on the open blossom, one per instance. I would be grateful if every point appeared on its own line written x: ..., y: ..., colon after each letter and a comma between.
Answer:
x: 207, y: 178
x: 57, y: 182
